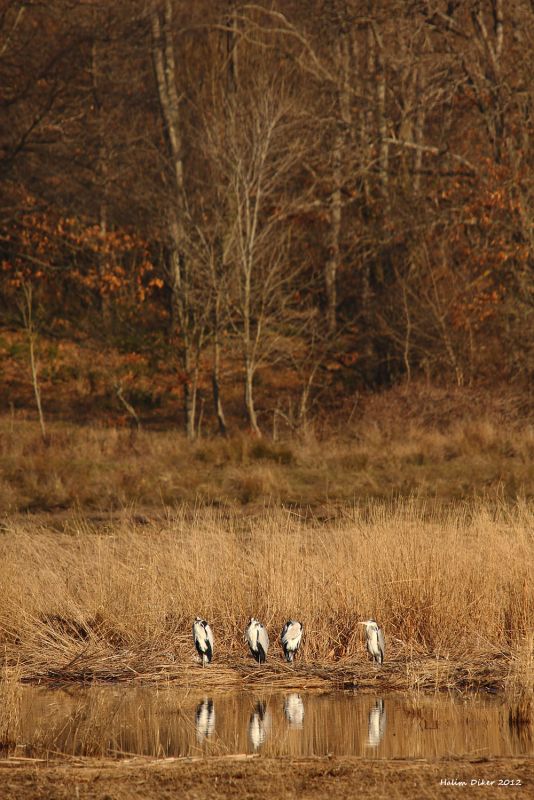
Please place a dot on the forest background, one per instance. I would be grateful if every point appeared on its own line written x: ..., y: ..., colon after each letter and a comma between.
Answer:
x: 269, y: 217
x: 267, y: 298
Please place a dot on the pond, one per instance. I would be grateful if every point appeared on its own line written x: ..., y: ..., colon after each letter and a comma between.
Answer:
x: 164, y: 722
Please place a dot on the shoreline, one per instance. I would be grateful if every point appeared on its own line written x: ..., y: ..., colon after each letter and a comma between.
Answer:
x: 251, y: 777
x: 425, y: 674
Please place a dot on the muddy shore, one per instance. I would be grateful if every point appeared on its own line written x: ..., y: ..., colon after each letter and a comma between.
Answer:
x: 254, y: 777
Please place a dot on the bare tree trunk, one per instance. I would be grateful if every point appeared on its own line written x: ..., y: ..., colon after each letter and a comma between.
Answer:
x: 101, y: 172
x: 488, y: 81
x: 332, y: 263
x: 232, y: 63
x: 419, y: 134
x: 343, y: 124
x: 249, y: 399
x: 216, y: 387
x: 27, y: 316
x: 248, y: 346
x: 165, y: 72
x: 383, y: 146
x: 216, y: 370
x: 128, y: 406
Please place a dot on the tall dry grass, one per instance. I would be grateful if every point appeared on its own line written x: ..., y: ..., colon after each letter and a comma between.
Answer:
x: 453, y: 588
x: 103, y: 468
x: 10, y: 706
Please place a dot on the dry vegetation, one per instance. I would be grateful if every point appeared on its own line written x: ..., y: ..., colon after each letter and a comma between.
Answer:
x: 10, y: 702
x: 269, y: 779
x: 398, y: 445
x: 453, y: 589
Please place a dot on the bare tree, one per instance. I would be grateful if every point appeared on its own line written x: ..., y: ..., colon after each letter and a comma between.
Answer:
x: 188, y: 313
x: 27, y: 312
x: 254, y: 159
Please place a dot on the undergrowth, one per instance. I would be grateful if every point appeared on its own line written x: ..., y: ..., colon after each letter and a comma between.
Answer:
x: 106, y: 468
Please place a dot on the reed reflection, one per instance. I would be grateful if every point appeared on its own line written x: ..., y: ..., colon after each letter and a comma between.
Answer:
x: 376, y: 726
x: 101, y: 721
x: 259, y: 725
x: 205, y: 720
x: 294, y: 710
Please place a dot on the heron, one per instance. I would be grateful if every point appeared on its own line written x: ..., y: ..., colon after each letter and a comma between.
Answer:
x: 290, y: 638
x: 203, y: 639
x: 259, y: 725
x: 376, y: 645
x: 377, y: 724
x: 294, y: 710
x: 257, y: 640
x: 205, y: 719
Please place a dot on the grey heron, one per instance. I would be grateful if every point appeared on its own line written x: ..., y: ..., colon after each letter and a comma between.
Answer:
x: 294, y: 710
x: 290, y: 638
x: 205, y: 719
x: 377, y: 724
x: 259, y: 725
x: 257, y: 639
x: 203, y: 639
x: 376, y: 646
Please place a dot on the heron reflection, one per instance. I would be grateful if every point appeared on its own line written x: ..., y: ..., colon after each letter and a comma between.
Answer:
x: 376, y: 726
x: 294, y: 710
x: 205, y: 719
x: 259, y: 725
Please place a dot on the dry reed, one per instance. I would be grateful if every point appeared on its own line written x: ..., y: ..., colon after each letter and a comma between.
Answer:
x: 104, y: 469
x: 453, y: 589
x: 520, y: 684
x: 10, y: 706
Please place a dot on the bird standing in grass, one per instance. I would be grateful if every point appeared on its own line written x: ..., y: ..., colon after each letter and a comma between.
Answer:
x: 203, y: 639
x: 257, y: 640
x: 290, y: 638
x: 376, y: 646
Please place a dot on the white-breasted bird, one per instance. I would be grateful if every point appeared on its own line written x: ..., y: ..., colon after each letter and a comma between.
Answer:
x: 205, y: 719
x: 294, y: 710
x: 290, y: 638
x: 376, y: 646
x: 203, y: 639
x: 376, y: 726
x: 259, y: 725
x: 257, y: 639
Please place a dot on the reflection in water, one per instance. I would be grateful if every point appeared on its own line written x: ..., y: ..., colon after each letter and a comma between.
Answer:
x: 205, y: 719
x: 155, y: 721
x: 377, y: 724
x: 259, y: 725
x: 294, y: 710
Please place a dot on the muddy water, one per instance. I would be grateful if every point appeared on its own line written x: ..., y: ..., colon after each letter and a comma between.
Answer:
x: 104, y: 721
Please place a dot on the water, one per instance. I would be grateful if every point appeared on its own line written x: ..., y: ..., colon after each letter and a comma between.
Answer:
x: 119, y: 721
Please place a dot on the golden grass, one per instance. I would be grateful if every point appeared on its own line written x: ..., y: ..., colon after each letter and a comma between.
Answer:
x: 520, y: 685
x: 10, y: 706
x: 452, y: 587
x: 103, y: 468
